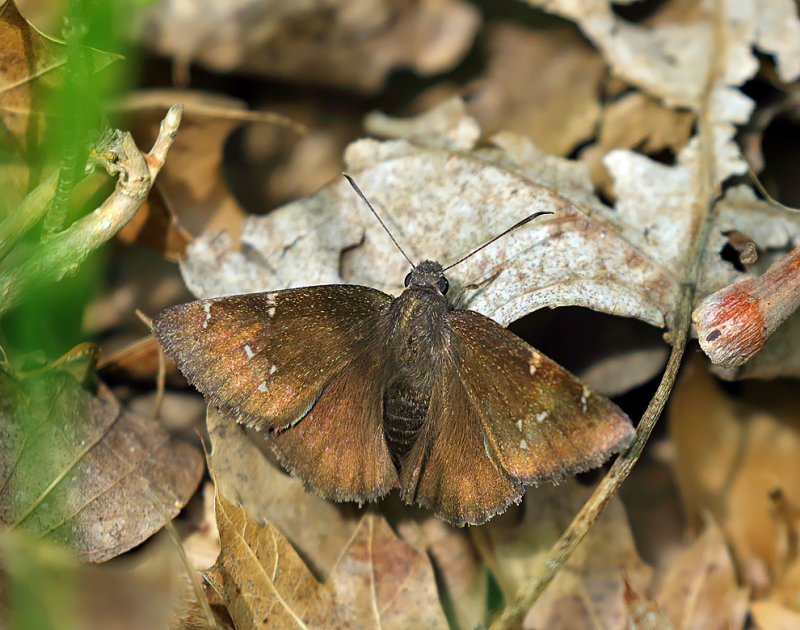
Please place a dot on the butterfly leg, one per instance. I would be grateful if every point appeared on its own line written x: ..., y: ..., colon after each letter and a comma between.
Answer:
x: 476, y: 286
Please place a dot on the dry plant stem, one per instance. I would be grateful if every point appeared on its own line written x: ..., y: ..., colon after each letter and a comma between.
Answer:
x: 514, y: 614
x: 61, y: 254
x: 734, y: 323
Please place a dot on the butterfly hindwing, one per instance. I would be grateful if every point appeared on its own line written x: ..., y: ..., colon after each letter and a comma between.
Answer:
x: 338, y: 448
x: 448, y: 469
x: 265, y: 357
x: 539, y: 421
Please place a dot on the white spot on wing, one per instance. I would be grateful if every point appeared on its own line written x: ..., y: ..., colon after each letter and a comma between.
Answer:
x: 269, y: 300
x: 248, y: 351
x: 271, y: 311
x: 540, y: 417
x: 519, y: 424
x: 585, y: 396
x: 523, y: 445
x: 207, y: 310
x: 262, y: 386
x: 272, y: 370
x: 532, y: 369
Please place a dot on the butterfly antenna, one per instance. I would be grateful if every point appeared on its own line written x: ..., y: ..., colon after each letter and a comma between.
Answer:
x: 527, y: 219
x: 377, y: 216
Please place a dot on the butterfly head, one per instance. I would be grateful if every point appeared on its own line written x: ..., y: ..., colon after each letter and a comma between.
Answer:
x: 428, y: 273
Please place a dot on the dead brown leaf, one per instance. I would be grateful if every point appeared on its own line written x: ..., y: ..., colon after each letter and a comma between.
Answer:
x: 589, y: 592
x: 773, y: 616
x: 644, y: 613
x: 636, y: 121
x: 83, y: 472
x: 541, y: 84
x: 378, y: 581
x: 730, y: 457
x: 192, y: 183
x: 461, y: 574
x: 318, y: 529
x: 32, y: 69
x: 700, y: 590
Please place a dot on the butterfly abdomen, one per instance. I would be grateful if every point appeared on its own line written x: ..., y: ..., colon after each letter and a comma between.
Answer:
x: 404, y: 409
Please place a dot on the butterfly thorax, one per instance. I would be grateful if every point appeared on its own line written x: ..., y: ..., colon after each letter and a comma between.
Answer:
x: 418, y: 342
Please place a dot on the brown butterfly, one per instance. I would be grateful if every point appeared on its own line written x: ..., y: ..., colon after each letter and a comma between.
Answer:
x: 360, y: 392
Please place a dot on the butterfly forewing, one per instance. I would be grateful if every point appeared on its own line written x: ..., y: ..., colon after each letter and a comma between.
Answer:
x: 265, y: 357
x: 539, y: 421
x: 448, y: 469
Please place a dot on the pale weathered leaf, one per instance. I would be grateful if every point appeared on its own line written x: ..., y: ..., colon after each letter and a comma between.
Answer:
x: 351, y: 45
x: 627, y: 261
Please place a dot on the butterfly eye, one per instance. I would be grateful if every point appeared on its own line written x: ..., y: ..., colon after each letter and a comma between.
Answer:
x: 443, y: 285
x: 407, y: 281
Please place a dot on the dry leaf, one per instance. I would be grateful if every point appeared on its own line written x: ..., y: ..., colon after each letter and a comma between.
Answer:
x: 32, y: 70
x: 671, y: 60
x: 277, y: 165
x: 542, y: 84
x: 339, y: 42
x: 317, y: 528
x: 774, y: 616
x: 636, y: 121
x: 378, y: 581
x: 730, y: 457
x: 644, y: 613
x: 154, y: 226
x: 82, y: 472
x: 700, y: 591
x: 192, y: 182
x: 48, y: 588
x: 461, y: 575
x: 589, y: 592
x: 202, y: 545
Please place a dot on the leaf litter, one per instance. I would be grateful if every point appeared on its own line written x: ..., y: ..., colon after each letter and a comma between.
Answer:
x: 443, y: 181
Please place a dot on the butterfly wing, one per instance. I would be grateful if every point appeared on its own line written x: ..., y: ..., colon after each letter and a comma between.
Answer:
x: 447, y: 469
x: 294, y: 362
x: 338, y: 448
x: 265, y: 357
x: 539, y: 421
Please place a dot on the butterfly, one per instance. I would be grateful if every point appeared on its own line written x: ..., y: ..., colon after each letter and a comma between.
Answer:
x: 360, y: 392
